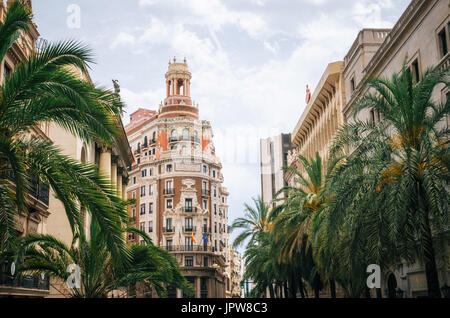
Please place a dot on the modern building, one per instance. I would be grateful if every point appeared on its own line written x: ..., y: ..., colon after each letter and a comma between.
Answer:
x: 177, y: 183
x: 47, y: 215
x: 274, y: 156
x: 421, y: 39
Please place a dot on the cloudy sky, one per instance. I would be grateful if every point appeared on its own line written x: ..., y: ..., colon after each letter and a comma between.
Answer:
x: 250, y: 60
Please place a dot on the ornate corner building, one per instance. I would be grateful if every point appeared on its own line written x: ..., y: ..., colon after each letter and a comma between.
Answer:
x: 176, y: 181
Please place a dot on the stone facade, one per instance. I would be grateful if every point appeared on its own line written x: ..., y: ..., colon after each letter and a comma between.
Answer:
x: 421, y: 39
x: 48, y: 215
x: 177, y: 183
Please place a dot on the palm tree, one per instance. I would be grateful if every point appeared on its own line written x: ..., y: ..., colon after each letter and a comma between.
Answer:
x: 100, y: 274
x: 255, y: 221
x: 44, y: 89
x: 397, y: 176
x: 298, y: 215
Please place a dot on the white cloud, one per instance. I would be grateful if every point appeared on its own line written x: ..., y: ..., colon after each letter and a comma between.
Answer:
x: 123, y: 38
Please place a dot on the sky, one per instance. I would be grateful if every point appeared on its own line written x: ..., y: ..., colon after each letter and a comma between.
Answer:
x: 250, y: 60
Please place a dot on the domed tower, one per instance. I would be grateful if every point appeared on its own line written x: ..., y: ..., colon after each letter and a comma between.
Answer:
x: 178, y: 102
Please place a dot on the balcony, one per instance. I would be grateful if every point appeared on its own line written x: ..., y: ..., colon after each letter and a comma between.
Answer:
x: 23, y: 285
x: 169, y: 230
x: 189, y: 209
x: 189, y: 229
x: 173, y: 139
x: 169, y: 191
x: 206, y: 193
x: 189, y: 248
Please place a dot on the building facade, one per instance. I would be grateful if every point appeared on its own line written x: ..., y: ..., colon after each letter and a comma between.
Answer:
x: 319, y: 121
x: 177, y: 183
x: 274, y: 156
x: 47, y: 215
x: 421, y: 39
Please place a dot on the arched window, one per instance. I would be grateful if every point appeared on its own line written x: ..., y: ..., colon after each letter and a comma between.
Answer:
x: 173, y: 135
x: 185, y: 134
x: 145, y: 142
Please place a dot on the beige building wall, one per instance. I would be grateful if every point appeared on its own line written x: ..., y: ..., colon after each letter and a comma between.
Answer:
x: 414, y: 40
x: 319, y: 121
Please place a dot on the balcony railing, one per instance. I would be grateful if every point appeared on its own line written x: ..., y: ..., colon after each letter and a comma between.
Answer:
x: 169, y: 191
x: 189, y: 248
x: 189, y: 229
x: 169, y: 229
x: 206, y: 192
x: 189, y: 209
x: 173, y: 139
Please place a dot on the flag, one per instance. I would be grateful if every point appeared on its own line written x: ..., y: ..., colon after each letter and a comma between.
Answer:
x: 193, y: 238
x: 205, y: 238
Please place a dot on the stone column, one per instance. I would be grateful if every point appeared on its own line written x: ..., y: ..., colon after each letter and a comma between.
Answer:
x: 197, y: 287
x: 105, y: 163
x: 119, y: 183
x: 114, y: 173
x: 124, y: 190
x: 179, y: 293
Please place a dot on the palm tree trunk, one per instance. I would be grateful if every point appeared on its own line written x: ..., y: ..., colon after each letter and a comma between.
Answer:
x: 428, y: 249
x: 293, y: 287
x: 316, y: 284
x: 271, y: 291
x: 378, y: 290
x: 286, y: 291
x: 332, y: 288
x: 301, y: 287
x: 367, y: 292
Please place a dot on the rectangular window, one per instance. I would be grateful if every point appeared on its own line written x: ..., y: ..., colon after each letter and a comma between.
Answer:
x: 169, y: 224
x: 133, y: 212
x: 169, y: 203
x: 215, y: 208
x: 134, y: 180
x: 188, y: 223
x: 169, y: 245
x: 215, y: 227
x: 415, y: 71
x: 189, y: 244
x: 150, y: 207
x: 150, y: 172
x: 142, y: 226
x: 150, y: 226
x: 6, y: 72
x: 205, y: 261
x: 150, y: 189
x: 142, y: 191
x: 169, y: 168
x: 142, y: 209
x: 133, y: 194
x: 214, y: 173
x: 189, y: 261
x: 205, y: 204
x: 188, y: 205
x: 205, y: 169
x: 144, y: 173
x: 443, y: 45
x: 352, y: 85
